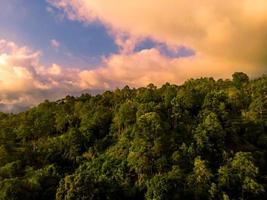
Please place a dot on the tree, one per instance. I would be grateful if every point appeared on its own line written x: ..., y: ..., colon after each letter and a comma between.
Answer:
x: 200, y: 179
x: 148, y: 145
x: 238, y: 178
x: 209, y: 138
x: 158, y: 188
x: 126, y: 115
x: 204, y: 139
x: 239, y: 79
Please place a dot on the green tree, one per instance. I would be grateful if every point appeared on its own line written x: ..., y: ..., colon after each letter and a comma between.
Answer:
x: 239, y: 79
x: 200, y: 179
x: 238, y: 178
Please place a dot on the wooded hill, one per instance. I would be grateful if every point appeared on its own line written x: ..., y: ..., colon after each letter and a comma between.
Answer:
x: 204, y: 139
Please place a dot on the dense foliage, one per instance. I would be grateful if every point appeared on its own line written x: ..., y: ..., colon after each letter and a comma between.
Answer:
x: 204, y: 139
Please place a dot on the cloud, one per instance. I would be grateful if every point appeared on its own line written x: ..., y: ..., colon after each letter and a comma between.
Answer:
x: 150, y: 66
x: 222, y: 36
x: 55, y: 44
x: 25, y: 82
x: 231, y: 31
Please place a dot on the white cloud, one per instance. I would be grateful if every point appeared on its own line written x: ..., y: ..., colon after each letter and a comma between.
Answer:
x: 25, y: 82
x: 55, y: 44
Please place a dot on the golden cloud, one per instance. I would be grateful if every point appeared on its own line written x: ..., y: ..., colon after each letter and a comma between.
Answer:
x: 150, y: 66
x: 25, y: 82
x: 229, y: 31
x: 227, y: 36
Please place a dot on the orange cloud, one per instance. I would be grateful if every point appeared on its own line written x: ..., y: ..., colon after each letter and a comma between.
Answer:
x: 25, y: 82
x: 149, y: 66
x: 227, y: 36
x: 229, y: 31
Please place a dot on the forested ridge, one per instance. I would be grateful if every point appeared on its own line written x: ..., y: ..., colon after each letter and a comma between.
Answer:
x: 204, y: 139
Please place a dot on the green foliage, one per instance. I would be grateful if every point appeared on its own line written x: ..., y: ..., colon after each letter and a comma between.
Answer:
x: 157, y: 188
x: 239, y: 176
x: 200, y: 178
x: 240, y: 78
x: 204, y: 139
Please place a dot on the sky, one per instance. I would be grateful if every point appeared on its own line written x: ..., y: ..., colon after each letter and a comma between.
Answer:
x: 53, y: 48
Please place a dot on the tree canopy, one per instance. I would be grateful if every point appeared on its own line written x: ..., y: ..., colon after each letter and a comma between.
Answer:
x: 204, y: 139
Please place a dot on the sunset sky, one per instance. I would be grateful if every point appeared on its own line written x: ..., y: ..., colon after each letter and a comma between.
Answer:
x: 52, y: 48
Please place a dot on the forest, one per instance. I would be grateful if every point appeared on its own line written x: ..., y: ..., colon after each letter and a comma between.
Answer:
x: 204, y: 139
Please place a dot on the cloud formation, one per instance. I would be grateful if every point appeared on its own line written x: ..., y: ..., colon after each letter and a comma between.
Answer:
x: 55, y: 44
x: 25, y: 82
x: 149, y: 66
x: 232, y: 31
x: 225, y: 36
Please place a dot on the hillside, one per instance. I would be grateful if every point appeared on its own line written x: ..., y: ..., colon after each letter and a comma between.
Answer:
x: 205, y: 139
